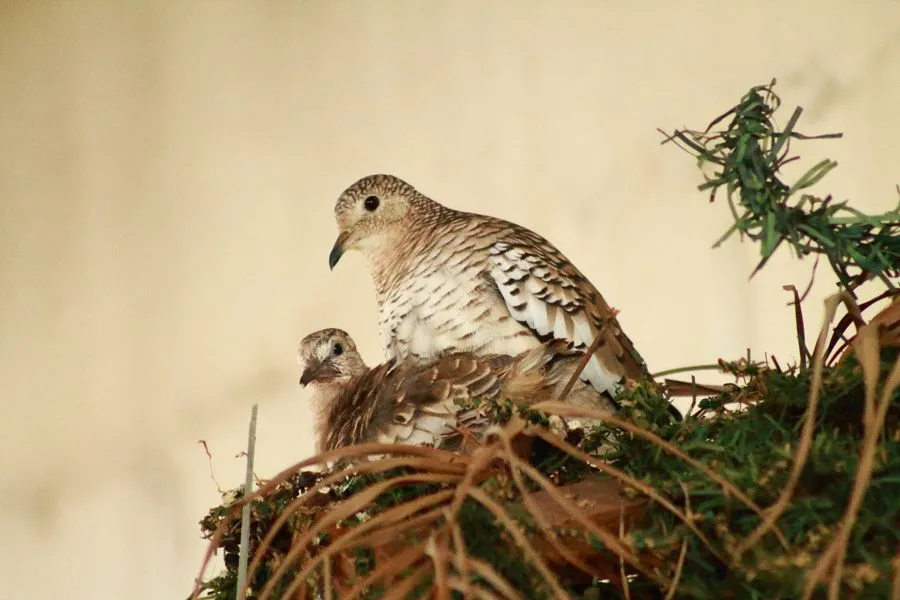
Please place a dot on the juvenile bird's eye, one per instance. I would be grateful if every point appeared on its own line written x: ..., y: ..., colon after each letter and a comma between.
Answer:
x: 337, y: 350
x: 371, y: 203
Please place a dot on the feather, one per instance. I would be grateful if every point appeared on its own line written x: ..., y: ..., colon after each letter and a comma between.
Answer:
x: 439, y: 272
x: 408, y: 401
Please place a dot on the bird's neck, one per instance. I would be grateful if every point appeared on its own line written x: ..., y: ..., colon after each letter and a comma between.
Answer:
x: 323, y: 403
x: 389, y: 267
x: 393, y: 261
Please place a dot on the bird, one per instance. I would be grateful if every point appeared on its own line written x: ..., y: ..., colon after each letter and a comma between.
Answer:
x: 413, y: 402
x: 448, y: 280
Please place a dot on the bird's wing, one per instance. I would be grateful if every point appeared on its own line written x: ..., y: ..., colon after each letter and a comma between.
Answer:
x: 425, y: 398
x: 545, y: 292
x: 357, y: 412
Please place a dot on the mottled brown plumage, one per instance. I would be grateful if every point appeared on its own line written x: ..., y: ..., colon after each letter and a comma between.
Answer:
x: 447, y: 280
x: 406, y: 401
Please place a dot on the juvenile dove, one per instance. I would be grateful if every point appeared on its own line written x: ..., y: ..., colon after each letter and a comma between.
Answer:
x: 448, y: 280
x: 405, y: 401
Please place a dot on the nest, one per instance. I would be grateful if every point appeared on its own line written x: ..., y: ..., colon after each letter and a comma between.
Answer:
x: 792, y: 495
x: 784, y: 485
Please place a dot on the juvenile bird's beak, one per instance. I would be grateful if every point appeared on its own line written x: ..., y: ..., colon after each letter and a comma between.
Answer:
x: 338, y: 250
x: 319, y: 372
x: 309, y: 373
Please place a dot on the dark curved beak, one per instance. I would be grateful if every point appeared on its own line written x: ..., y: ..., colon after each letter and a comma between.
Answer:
x: 308, y: 374
x: 316, y: 371
x: 337, y: 251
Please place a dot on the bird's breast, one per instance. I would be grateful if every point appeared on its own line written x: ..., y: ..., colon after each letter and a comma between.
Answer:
x: 448, y: 309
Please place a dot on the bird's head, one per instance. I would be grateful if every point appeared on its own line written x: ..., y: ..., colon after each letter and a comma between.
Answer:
x: 372, y: 213
x: 329, y: 356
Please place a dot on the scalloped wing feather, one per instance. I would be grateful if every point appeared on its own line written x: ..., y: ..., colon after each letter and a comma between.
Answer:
x: 547, y: 294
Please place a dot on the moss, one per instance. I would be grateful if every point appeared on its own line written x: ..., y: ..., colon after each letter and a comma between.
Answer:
x: 489, y: 542
x: 754, y: 450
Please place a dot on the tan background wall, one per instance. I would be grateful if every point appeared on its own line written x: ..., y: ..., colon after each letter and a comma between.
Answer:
x: 167, y: 176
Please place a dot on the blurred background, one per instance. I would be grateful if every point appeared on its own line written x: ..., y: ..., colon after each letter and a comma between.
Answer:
x: 167, y: 178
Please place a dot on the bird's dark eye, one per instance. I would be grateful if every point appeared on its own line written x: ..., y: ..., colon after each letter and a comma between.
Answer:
x: 371, y: 203
x: 337, y: 350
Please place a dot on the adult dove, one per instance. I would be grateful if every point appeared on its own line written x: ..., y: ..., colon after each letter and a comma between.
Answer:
x: 407, y: 401
x: 448, y: 280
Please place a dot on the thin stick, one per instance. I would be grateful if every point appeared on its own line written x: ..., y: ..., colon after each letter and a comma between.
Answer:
x: 806, y: 438
x: 326, y: 576
x: 519, y: 537
x: 678, y: 570
x: 570, y: 410
x: 609, y: 540
x: 626, y: 588
x: 488, y: 573
x: 244, y: 551
x: 895, y: 585
x: 516, y: 464
x: 837, y: 550
x: 588, y: 353
x: 401, y: 590
x: 436, y: 549
x: 387, y: 571
x: 338, y: 513
x: 460, y: 556
x: 297, y: 503
x: 645, y: 488
x: 707, y: 367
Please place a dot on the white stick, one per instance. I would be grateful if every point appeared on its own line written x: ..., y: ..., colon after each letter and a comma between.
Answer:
x: 244, y: 552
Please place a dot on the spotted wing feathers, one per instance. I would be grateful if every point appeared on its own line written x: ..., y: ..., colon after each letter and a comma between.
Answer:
x: 546, y: 293
x: 406, y: 402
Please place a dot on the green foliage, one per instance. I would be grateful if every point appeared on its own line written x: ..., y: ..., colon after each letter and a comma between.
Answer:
x: 754, y: 449
x: 486, y: 540
x: 749, y: 154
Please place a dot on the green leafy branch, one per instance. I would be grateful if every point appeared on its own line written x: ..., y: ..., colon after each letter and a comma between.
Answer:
x: 749, y: 154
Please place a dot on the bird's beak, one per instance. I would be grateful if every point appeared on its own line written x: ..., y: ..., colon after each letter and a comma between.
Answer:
x: 309, y: 373
x: 338, y: 250
x: 319, y: 372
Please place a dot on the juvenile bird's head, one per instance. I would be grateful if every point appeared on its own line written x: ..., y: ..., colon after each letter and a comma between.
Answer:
x: 329, y: 356
x: 373, y: 213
